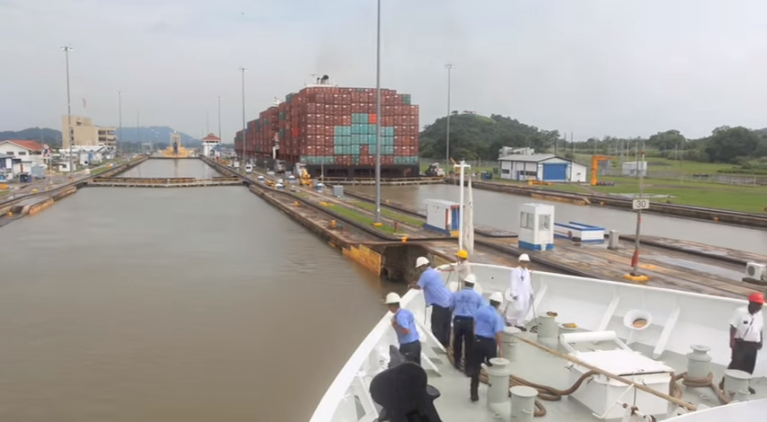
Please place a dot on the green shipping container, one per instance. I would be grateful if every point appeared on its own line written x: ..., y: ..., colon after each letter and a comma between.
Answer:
x: 406, y: 99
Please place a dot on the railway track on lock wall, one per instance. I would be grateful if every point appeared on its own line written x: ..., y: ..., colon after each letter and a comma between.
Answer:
x: 481, y: 240
x: 10, y: 203
x: 488, y: 242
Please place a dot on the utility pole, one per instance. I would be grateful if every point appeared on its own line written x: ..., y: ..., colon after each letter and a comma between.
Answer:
x: 219, y: 118
x: 379, y: 117
x: 138, y: 127
x: 635, y: 258
x: 449, y: 68
x: 244, y: 124
x: 70, y: 135
x: 120, y: 122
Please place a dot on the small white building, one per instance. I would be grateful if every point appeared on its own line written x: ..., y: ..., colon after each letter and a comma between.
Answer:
x: 209, y: 144
x: 86, y: 155
x: 634, y: 168
x: 543, y: 167
x: 29, y: 152
x: 504, y: 151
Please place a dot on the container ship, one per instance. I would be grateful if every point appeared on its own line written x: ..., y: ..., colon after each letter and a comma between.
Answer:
x: 331, y: 131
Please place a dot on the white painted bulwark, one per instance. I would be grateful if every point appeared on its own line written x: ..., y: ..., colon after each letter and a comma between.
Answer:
x: 536, y: 227
x: 541, y: 167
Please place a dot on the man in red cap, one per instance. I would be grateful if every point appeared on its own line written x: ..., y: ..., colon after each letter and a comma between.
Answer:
x: 746, y: 337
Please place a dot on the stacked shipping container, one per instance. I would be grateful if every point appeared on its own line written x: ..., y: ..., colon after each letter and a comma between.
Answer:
x: 333, y: 130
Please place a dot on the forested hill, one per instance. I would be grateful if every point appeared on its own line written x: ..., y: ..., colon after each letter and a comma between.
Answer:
x: 475, y: 137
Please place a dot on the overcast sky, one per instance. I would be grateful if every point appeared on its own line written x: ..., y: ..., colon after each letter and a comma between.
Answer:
x: 609, y: 67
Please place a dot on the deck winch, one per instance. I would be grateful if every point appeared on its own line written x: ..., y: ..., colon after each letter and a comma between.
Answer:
x: 602, y: 394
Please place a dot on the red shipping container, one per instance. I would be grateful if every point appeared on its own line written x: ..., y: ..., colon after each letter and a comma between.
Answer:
x: 372, y: 119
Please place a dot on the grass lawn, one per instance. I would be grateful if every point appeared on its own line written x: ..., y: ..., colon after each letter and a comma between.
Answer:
x: 728, y: 197
x: 4, y: 192
x: 359, y: 218
x: 390, y: 214
x: 675, y: 183
x: 665, y: 165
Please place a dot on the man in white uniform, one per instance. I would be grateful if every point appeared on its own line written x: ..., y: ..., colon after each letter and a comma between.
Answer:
x: 519, y: 295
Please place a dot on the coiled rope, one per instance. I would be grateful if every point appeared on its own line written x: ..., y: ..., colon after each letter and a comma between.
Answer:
x: 676, y: 391
x: 545, y: 392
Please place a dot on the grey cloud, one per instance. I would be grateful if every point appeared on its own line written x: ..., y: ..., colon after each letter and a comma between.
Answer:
x: 593, y: 67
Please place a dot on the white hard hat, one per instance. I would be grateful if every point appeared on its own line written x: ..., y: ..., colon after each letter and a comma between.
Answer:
x: 524, y: 258
x: 421, y: 261
x: 496, y: 297
x: 470, y: 279
x: 392, y: 298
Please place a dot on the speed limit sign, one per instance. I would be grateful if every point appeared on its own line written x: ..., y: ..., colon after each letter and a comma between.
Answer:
x: 640, y: 204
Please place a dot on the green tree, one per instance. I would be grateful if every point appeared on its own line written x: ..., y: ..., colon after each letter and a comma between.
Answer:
x: 475, y: 137
x: 728, y: 144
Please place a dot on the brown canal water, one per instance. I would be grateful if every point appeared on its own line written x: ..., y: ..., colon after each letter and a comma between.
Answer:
x: 183, y: 167
x: 157, y: 305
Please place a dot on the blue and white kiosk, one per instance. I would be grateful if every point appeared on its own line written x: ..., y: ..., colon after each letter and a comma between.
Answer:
x: 536, y: 227
x: 443, y: 216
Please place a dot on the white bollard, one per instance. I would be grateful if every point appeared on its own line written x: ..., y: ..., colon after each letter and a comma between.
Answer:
x: 509, y: 345
x: 547, y: 327
x: 497, y: 381
x: 698, y: 362
x: 523, y: 403
x: 736, y: 382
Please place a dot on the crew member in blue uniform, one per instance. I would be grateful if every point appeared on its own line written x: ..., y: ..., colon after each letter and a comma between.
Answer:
x: 437, y: 296
x: 403, y: 323
x: 488, y: 326
x: 465, y: 302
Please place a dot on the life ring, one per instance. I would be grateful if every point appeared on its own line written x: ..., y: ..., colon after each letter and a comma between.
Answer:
x: 569, y: 234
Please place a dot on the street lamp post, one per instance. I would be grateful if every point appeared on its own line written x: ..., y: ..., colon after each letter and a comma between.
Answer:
x: 66, y: 50
x: 244, y: 125
x: 219, y: 118
x: 635, y: 258
x: 120, y: 122
x: 379, y: 117
x: 447, y: 131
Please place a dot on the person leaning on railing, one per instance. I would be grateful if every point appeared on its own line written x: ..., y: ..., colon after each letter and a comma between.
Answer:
x: 403, y: 323
x: 437, y: 296
x: 461, y: 267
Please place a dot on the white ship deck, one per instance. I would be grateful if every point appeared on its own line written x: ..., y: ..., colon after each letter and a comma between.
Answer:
x: 676, y: 321
x: 539, y: 367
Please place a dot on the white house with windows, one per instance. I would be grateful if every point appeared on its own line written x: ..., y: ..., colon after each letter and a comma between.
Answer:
x: 25, y: 155
x: 543, y: 167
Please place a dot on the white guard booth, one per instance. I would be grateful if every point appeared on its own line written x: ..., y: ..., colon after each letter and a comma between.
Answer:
x: 536, y: 227
x: 442, y: 216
